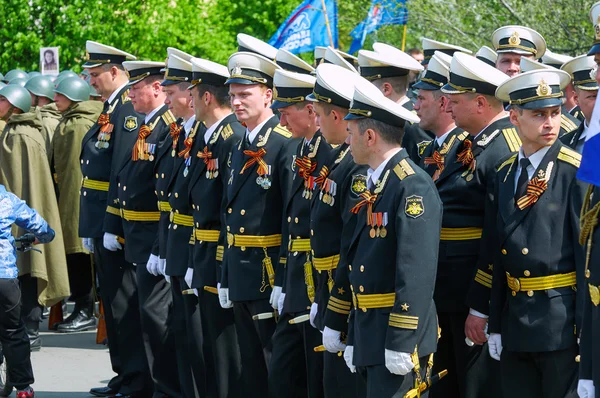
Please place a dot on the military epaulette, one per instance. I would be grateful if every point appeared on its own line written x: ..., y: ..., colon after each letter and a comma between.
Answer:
x: 512, y: 139
x: 403, y: 169
x: 125, y: 97
x: 568, y: 155
x: 463, y: 136
x: 508, y: 161
x: 227, y: 132
x: 168, y: 118
x: 279, y: 129
x: 567, y: 124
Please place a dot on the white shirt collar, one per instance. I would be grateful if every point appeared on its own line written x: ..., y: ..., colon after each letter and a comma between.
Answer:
x: 535, y: 158
x: 252, y: 134
x: 404, y: 100
x: 117, y: 91
x: 187, y: 126
x: 151, y: 114
x: 209, y: 131
x: 440, y: 140
x: 373, y: 175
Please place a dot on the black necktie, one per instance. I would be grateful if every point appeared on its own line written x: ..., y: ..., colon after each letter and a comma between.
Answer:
x: 523, y: 179
x: 436, y: 146
x: 247, y: 141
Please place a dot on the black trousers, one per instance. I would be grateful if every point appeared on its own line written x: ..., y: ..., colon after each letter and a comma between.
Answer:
x: 540, y: 374
x: 118, y: 288
x: 254, y: 338
x: 296, y: 370
x: 380, y: 383
x: 79, y: 266
x: 15, y: 343
x: 198, y: 352
x: 181, y: 351
x: 338, y: 381
x: 156, y: 314
x: 31, y: 310
x: 221, y: 351
x: 472, y: 373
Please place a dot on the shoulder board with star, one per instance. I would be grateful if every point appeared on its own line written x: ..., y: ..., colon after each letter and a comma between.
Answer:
x: 568, y: 155
x: 279, y: 129
x: 168, y: 118
x: 403, y: 169
x: 507, y: 162
x: 567, y: 124
x: 125, y: 97
x: 226, y: 132
x: 512, y: 139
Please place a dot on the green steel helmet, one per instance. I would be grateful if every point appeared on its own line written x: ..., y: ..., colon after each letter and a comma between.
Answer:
x: 41, y: 86
x: 14, y: 74
x: 33, y: 74
x: 73, y: 88
x: 68, y: 73
x: 20, y: 81
x: 1, y: 77
x: 2, y: 85
x: 17, y: 96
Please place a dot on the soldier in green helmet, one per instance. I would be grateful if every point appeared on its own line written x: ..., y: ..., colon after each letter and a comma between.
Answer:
x: 41, y: 89
x: 25, y: 171
x: 14, y: 74
x: 71, y: 97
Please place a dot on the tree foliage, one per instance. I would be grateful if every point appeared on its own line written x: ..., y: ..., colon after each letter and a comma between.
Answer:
x: 208, y: 28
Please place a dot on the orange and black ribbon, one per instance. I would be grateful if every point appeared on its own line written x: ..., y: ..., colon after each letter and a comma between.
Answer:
x: 140, y: 144
x: 305, y: 167
x: 174, y: 132
x: 535, y: 189
x: 320, y: 180
x: 368, y: 200
x: 438, y: 160
x: 206, y: 156
x: 466, y: 156
x: 104, y: 122
x: 188, y: 142
x: 256, y: 157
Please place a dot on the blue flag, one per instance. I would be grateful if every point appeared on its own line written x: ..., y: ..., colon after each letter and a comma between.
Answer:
x: 381, y: 13
x: 306, y: 29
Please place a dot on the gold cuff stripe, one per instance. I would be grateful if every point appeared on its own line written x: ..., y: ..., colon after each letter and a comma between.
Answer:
x: 282, y: 260
x: 467, y: 233
x: 209, y: 235
x: 184, y: 220
x: 339, y: 303
x: 132, y: 215
x: 338, y: 306
x: 254, y: 240
x: 299, y: 245
x: 113, y: 210
x: 403, y: 325
x: 483, y: 278
x: 95, y: 185
x: 375, y: 300
x: 164, y: 206
x: 326, y: 263
x: 335, y: 309
x: 512, y: 139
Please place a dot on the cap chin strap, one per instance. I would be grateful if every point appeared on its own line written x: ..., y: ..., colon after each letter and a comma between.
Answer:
x: 8, y: 114
x: 37, y: 100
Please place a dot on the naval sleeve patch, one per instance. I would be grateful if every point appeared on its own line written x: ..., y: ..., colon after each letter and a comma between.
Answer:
x: 359, y: 184
x: 422, y: 145
x: 414, y: 207
x: 130, y: 123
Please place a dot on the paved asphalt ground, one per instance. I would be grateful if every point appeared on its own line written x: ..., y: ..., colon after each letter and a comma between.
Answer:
x: 68, y: 365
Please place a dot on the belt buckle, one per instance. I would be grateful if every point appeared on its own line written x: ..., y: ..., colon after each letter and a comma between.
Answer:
x: 230, y: 239
x: 513, y: 283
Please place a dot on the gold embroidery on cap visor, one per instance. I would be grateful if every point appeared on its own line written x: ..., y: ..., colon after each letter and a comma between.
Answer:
x: 360, y: 112
x: 322, y: 98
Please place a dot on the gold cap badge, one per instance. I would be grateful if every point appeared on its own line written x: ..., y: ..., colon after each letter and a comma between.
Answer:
x: 543, y: 89
x: 514, y: 39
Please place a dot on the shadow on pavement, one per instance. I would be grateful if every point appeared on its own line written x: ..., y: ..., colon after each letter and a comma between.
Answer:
x: 83, y: 340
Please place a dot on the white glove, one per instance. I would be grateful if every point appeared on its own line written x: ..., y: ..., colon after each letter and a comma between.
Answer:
x: 152, y: 265
x: 110, y: 242
x: 348, y: 357
x: 189, y: 275
x: 586, y: 389
x: 280, y: 303
x: 224, y: 297
x: 88, y: 244
x: 314, y: 309
x: 495, y: 345
x: 398, y: 363
x: 162, y: 266
x: 274, y: 299
x: 332, y: 340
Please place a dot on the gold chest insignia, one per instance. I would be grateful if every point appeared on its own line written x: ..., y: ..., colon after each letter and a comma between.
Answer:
x: 359, y: 184
x: 414, y: 207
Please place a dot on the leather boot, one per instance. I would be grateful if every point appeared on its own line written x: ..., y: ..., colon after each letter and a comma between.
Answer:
x: 33, y: 332
x: 82, y: 320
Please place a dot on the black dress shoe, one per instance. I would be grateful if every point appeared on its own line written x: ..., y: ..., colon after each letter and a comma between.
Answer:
x: 103, y: 392
x: 83, y: 320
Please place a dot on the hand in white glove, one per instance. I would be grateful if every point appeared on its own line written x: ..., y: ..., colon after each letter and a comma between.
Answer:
x: 314, y: 309
x: 110, y: 242
x: 348, y: 357
x: 88, y: 244
x: 274, y: 299
x: 280, y: 303
x: 224, y: 297
x: 398, y: 363
x: 162, y: 266
x: 586, y: 389
x: 332, y: 340
x: 152, y: 265
x: 189, y: 275
x: 495, y: 345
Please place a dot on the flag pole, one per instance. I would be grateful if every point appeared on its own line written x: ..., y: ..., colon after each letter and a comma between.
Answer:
x: 327, y: 23
x: 404, y: 37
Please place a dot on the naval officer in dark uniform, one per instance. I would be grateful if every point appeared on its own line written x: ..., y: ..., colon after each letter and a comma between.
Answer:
x: 100, y: 149
x: 257, y: 186
x: 537, y: 257
x: 131, y: 211
x: 393, y: 323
